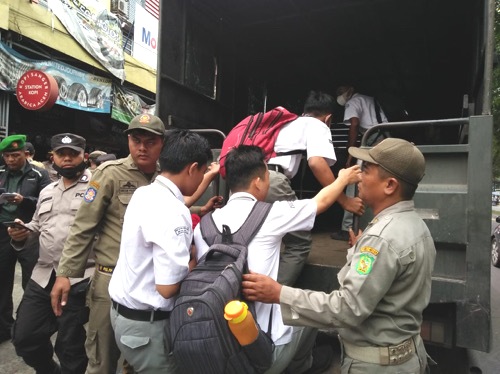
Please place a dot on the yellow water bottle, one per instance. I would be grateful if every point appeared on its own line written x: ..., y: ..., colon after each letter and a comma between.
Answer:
x: 241, y: 322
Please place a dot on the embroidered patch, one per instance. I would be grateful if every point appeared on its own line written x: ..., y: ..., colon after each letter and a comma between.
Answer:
x: 127, y: 187
x: 94, y: 184
x: 90, y: 195
x: 365, y: 264
x: 84, y: 178
x: 371, y: 250
x: 181, y: 230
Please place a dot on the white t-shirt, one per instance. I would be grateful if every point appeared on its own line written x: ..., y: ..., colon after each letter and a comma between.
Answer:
x: 154, y: 249
x: 304, y: 133
x: 363, y: 107
x: 264, y: 249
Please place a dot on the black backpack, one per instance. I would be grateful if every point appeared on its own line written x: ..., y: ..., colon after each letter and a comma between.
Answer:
x: 201, y: 340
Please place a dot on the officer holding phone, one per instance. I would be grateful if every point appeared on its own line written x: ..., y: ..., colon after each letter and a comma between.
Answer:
x: 54, y: 215
x: 24, y: 181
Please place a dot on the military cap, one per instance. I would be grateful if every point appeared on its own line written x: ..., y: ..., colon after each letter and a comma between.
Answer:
x: 13, y: 143
x: 95, y: 154
x: 67, y: 140
x: 399, y: 157
x: 104, y: 158
x: 30, y: 148
x: 147, y: 122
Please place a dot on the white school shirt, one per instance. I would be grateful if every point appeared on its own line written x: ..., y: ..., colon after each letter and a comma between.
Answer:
x: 304, y: 133
x: 362, y: 107
x: 264, y: 249
x: 154, y: 249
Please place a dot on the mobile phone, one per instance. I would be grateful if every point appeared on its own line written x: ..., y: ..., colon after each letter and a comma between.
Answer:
x: 16, y: 225
x: 9, y: 195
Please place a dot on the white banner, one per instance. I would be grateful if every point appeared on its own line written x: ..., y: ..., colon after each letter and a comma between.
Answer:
x: 145, y: 37
x: 96, y: 29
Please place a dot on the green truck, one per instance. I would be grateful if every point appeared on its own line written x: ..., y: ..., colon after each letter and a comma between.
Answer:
x: 428, y: 62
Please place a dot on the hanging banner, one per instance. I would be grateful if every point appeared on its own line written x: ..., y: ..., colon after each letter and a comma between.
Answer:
x: 127, y: 104
x: 145, y: 37
x: 96, y: 29
x: 77, y: 88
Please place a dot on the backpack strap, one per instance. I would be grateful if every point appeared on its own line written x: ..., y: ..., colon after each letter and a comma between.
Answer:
x: 377, y: 110
x: 211, y: 234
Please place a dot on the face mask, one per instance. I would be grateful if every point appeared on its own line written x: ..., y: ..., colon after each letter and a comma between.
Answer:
x: 70, y: 173
x: 341, y: 100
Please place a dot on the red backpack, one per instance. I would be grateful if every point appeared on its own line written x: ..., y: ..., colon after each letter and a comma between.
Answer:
x: 259, y: 129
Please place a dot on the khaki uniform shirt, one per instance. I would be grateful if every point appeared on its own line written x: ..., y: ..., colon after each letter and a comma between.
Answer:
x: 102, y: 210
x: 384, y: 287
x: 55, y: 212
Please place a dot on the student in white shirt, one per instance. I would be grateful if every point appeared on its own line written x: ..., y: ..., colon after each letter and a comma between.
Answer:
x: 155, y: 253
x: 248, y: 179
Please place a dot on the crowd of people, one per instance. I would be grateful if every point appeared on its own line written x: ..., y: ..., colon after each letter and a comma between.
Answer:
x: 106, y: 245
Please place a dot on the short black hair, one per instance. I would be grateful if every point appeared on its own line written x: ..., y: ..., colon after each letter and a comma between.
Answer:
x: 407, y: 190
x: 181, y: 148
x: 319, y: 104
x: 244, y: 163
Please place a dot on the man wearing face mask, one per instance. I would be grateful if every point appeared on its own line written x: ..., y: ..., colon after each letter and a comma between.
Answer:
x: 310, y: 133
x: 24, y: 181
x: 55, y: 213
x: 361, y: 113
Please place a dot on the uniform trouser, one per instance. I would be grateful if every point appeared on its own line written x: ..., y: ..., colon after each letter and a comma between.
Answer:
x: 100, y: 345
x: 295, y: 356
x: 8, y: 258
x: 144, y: 344
x: 416, y: 365
x: 297, y: 243
x: 347, y: 221
x: 36, y: 323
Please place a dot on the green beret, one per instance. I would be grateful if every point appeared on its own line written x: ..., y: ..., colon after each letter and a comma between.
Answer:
x: 13, y: 143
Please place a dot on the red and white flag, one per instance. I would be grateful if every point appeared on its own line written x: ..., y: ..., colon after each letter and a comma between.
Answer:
x: 153, y: 7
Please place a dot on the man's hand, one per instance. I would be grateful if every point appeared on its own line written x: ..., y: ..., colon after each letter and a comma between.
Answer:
x: 213, y: 170
x: 59, y: 295
x: 258, y: 287
x: 353, y: 238
x: 350, y: 175
x: 214, y: 203
x: 18, y: 199
x: 354, y: 205
x: 18, y: 234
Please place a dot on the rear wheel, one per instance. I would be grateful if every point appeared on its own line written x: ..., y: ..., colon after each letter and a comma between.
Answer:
x: 495, y: 255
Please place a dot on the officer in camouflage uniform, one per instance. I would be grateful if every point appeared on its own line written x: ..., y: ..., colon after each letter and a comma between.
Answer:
x: 386, y: 283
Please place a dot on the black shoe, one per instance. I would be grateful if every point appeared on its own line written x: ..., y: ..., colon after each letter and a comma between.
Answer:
x: 340, y: 235
x: 322, y: 359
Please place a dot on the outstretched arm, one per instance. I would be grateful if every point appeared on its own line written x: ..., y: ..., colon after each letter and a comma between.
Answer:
x: 210, y: 175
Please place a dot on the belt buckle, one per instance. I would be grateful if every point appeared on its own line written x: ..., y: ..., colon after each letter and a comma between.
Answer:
x: 400, y: 353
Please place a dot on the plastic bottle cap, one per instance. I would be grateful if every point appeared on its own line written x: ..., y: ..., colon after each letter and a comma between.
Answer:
x: 235, y: 311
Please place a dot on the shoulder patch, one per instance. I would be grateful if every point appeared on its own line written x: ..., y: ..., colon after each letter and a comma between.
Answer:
x: 371, y: 250
x: 90, y: 195
x: 94, y: 184
x: 365, y: 264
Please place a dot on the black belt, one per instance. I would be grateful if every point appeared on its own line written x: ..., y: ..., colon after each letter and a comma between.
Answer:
x: 277, y: 168
x: 140, y: 315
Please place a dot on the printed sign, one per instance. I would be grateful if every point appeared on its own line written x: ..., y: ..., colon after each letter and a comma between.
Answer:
x: 96, y: 29
x: 37, y: 90
x: 77, y: 88
x: 145, y: 37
